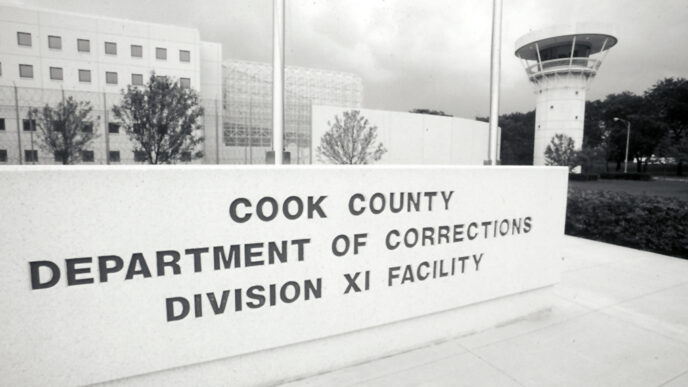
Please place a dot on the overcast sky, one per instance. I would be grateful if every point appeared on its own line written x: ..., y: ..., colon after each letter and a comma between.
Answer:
x: 424, y: 54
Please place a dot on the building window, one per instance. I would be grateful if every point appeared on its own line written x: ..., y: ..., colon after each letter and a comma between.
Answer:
x: 160, y: 53
x: 56, y: 73
x: 87, y: 156
x: 113, y: 127
x: 137, y: 79
x: 83, y: 45
x: 3, y: 155
x: 111, y: 48
x: 54, y: 42
x: 24, y: 39
x: 85, y: 76
x: 26, y: 71
x: 87, y: 128
x: 31, y: 155
x: 114, y: 156
x: 139, y: 156
x: 2, y: 124
x: 136, y: 51
x: 29, y: 125
x: 184, y: 56
x: 186, y: 156
x: 185, y: 83
x: 111, y: 77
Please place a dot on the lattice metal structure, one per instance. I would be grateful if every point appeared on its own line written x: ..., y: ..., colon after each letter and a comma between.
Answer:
x: 247, y: 108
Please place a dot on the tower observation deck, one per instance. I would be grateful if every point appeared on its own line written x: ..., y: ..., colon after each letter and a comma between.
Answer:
x: 560, y: 62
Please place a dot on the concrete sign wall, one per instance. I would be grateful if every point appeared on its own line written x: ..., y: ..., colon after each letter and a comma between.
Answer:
x: 113, y: 272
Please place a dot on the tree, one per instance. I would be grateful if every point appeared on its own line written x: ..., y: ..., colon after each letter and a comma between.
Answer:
x: 431, y: 112
x: 350, y: 141
x: 517, y: 138
x: 160, y: 119
x: 560, y: 152
x: 669, y: 100
x: 66, y: 130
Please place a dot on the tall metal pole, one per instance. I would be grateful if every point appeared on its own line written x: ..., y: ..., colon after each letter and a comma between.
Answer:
x: 278, y: 79
x: 106, y: 129
x: 495, y: 66
x: 16, y: 109
x: 628, y: 137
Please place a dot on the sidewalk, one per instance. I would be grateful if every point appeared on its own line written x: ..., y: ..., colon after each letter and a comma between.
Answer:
x: 619, y: 317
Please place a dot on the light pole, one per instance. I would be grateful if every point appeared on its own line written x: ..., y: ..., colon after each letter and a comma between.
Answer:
x: 628, y: 136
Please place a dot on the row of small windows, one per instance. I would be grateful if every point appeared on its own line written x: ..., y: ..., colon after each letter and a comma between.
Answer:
x: 87, y: 156
x: 84, y: 45
x: 30, y: 126
x: 56, y: 73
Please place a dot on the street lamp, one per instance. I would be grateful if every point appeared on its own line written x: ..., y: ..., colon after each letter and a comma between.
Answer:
x: 628, y: 136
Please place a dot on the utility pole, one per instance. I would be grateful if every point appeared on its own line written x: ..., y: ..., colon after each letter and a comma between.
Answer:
x: 278, y: 79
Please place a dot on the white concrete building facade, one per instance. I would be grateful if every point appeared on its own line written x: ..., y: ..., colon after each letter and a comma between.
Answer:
x: 46, y: 52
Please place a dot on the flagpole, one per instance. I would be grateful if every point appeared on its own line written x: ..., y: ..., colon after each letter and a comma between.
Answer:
x: 278, y: 79
x: 495, y: 65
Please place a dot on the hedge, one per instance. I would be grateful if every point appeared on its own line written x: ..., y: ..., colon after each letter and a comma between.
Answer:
x: 583, y: 176
x: 649, y: 223
x: 626, y: 176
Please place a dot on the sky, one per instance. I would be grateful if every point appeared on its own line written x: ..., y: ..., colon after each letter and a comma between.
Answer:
x: 432, y: 54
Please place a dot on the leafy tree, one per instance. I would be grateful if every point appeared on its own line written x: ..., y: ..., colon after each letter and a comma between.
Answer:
x: 517, y: 139
x: 66, y: 129
x: 560, y: 152
x: 669, y: 100
x: 350, y: 141
x: 160, y: 119
x: 431, y: 112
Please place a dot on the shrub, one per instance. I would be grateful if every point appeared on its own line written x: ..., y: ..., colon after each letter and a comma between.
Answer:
x: 626, y: 176
x: 583, y: 176
x: 645, y: 222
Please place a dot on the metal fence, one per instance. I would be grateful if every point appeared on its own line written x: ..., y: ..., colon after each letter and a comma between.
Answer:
x: 20, y: 141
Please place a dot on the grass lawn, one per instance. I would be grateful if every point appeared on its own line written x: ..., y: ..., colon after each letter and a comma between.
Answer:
x: 665, y: 188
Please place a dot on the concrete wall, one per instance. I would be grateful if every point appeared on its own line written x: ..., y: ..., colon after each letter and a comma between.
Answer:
x: 414, y: 138
x: 71, y: 315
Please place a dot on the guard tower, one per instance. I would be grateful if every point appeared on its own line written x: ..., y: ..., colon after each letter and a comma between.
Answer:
x: 559, y: 63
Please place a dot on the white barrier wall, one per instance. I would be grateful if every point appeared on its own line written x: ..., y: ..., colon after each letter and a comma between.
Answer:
x: 121, y: 271
x: 412, y: 138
